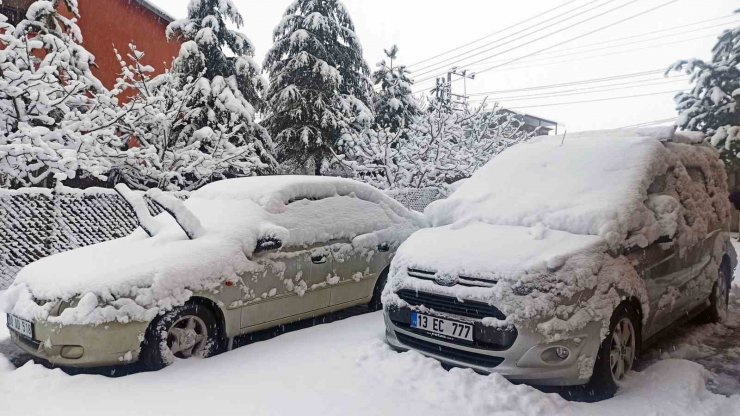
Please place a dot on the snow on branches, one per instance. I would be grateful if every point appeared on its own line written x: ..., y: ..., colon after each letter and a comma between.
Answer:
x: 394, y: 103
x: 442, y: 145
x: 713, y: 103
x: 319, y: 86
x: 159, y: 153
x: 215, y: 120
x: 51, y: 124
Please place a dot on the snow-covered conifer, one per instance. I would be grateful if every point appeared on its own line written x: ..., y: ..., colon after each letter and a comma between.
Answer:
x: 226, y: 87
x: 394, y: 103
x: 320, y: 92
x: 52, y: 124
x: 713, y: 103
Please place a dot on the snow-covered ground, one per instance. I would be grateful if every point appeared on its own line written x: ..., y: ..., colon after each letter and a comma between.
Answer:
x: 344, y: 368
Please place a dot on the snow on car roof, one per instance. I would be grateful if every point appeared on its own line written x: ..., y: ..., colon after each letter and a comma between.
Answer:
x: 590, y: 183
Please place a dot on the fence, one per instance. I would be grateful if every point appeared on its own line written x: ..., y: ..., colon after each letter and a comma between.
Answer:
x: 36, y: 223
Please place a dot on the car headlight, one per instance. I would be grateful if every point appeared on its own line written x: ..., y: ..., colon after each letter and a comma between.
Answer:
x: 61, y: 305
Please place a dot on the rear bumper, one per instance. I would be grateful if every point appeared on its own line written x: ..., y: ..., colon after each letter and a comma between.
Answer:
x: 84, y: 345
x: 521, y: 362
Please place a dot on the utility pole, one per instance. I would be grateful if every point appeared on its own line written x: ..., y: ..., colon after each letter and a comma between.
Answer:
x: 443, y: 89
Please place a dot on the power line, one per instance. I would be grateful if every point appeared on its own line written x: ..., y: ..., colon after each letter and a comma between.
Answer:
x: 566, y: 84
x: 591, y: 90
x: 548, y: 35
x: 650, y: 123
x: 491, y: 34
x: 582, y: 35
x: 578, y: 51
x: 594, y: 100
x: 451, y: 60
x: 668, y: 29
x: 580, y: 59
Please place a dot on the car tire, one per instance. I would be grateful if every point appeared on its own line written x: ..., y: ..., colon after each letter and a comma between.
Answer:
x: 719, y: 298
x: 605, y: 378
x: 375, y: 302
x: 190, y: 330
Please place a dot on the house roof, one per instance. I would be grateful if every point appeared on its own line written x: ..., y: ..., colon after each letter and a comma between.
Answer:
x: 156, y: 10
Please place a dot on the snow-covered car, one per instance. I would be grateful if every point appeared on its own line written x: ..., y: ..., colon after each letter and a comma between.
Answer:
x: 560, y: 259
x: 237, y: 256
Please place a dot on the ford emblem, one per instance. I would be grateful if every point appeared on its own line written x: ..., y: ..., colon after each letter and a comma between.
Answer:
x: 445, y: 279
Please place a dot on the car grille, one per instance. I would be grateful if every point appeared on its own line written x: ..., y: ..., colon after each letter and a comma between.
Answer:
x: 463, y: 356
x: 461, y: 280
x: 446, y: 304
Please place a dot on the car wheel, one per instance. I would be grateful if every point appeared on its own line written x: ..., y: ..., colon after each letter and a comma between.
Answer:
x: 617, y: 354
x: 375, y: 302
x: 720, y: 297
x: 185, y: 332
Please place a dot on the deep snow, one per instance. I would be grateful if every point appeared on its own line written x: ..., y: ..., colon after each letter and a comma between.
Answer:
x: 344, y: 368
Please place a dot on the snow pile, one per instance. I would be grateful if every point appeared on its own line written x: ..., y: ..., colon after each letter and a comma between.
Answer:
x: 135, y: 277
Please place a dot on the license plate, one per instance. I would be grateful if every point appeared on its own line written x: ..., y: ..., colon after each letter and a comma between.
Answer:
x: 442, y: 327
x: 20, y: 326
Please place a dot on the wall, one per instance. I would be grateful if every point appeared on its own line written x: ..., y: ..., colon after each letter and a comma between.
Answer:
x: 105, y: 23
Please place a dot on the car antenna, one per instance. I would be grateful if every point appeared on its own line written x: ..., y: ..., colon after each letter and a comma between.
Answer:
x: 563, y: 141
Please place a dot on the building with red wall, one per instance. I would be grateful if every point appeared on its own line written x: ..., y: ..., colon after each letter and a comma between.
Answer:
x: 106, y: 24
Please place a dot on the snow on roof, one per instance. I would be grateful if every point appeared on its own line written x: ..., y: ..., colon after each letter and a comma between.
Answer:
x: 589, y: 183
x: 156, y: 10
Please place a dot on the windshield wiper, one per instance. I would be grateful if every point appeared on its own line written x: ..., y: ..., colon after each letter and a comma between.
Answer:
x: 136, y: 202
x: 185, y: 218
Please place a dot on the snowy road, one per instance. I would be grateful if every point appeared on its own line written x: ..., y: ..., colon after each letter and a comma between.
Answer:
x: 344, y: 368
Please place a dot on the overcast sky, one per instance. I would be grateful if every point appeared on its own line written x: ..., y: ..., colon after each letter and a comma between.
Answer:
x: 425, y: 28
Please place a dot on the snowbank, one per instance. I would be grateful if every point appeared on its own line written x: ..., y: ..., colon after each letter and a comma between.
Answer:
x: 135, y: 277
x: 357, y: 375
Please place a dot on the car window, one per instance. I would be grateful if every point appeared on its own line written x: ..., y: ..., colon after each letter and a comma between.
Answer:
x: 337, y: 217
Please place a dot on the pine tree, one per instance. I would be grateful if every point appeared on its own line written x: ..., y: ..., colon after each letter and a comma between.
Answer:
x: 320, y: 93
x: 52, y: 126
x: 713, y: 103
x: 227, y: 86
x: 394, y: 104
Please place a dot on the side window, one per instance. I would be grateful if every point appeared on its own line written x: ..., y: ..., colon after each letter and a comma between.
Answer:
x: 665, y: 207
x: 697, y: 176
x: 336, y: 217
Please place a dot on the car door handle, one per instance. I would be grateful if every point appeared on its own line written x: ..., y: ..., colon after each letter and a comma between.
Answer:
x: 318, y: 259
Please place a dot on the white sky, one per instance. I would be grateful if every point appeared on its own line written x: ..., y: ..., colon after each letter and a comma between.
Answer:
x: 424, y: 28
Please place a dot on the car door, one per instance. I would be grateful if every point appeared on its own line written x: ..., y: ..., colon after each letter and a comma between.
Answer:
x: 357, y: 271
x: 287, y: 285
x: 660, y: 266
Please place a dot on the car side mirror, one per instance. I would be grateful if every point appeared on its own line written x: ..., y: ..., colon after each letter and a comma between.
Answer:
x: 267, y: 244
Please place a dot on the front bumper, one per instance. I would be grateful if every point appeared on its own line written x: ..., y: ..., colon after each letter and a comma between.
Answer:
x: 84, y: 346
x: 520, y: 362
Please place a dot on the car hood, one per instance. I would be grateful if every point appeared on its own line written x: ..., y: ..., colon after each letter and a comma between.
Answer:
x: 494, y: 252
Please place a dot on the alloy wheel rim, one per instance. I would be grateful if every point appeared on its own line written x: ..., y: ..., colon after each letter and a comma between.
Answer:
x: 622, y: 351
x: 187, y: 337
